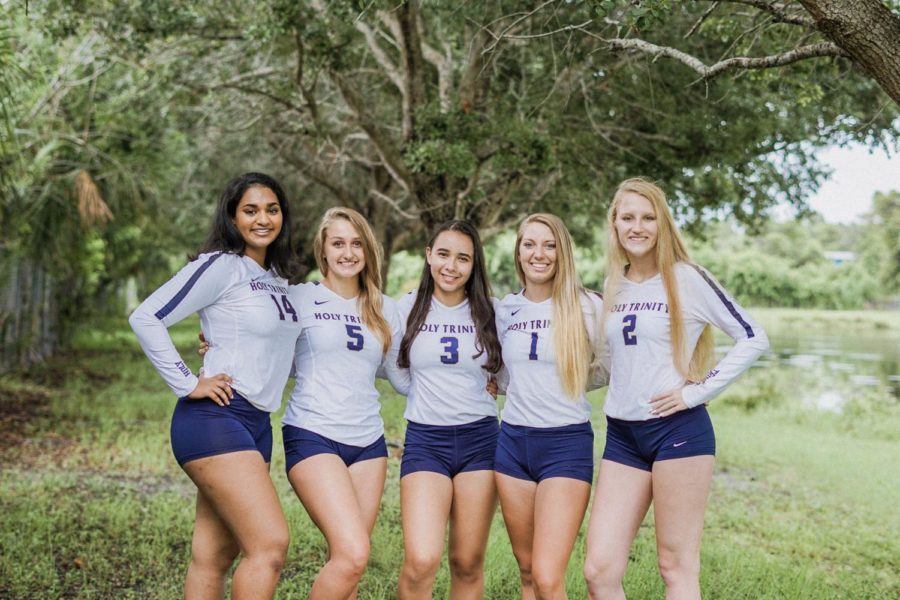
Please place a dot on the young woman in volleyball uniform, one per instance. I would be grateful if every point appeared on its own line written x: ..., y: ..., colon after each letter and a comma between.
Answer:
x: 660, y: 443
x: 336, y: 457
x: 449, y: 352
x: 544, y: 458
x: 221, y: 431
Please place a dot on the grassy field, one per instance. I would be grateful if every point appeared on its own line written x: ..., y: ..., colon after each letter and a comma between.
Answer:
x: 92, y: 504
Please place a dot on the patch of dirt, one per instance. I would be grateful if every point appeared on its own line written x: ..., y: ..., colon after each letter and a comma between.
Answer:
x: 19, y: 409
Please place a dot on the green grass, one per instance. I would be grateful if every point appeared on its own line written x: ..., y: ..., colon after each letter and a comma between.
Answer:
x: 92, y: 504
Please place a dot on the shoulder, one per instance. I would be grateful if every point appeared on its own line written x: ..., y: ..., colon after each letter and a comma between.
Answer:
x: 694, y: 277
x: 406, y: 301
x: 590, y: 299
x: 299, y: 291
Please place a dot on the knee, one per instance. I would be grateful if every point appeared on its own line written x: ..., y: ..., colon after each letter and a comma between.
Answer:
x: 420, y: 567
x: 467, y: 568
x: 272, y: 550
x: 678, y: 569
x: 352, y: 558
x: 217, y: 559
x: 547, y: 583
x: 600, y: 573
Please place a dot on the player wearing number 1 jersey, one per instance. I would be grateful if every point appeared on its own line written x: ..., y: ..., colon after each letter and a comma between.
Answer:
x: 448, y: 353
x: 660, y: 443
x: 544, y: 459
x: 221, y: 431
x: 335, y: 452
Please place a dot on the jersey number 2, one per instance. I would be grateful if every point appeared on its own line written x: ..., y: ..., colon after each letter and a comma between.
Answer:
x: 356, y: 337
x: 630, y: 322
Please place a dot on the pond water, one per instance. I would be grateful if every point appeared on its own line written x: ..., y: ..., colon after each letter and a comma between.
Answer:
x: 830, y: 367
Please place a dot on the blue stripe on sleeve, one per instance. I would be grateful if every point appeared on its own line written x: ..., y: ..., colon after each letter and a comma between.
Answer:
x: 171, y: 304
x: 726, y: 302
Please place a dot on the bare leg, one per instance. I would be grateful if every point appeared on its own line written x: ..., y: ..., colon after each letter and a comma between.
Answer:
x: 680, y: 492
x: 620, y: 504
x: 517, y: 497
x: 237, y: 487
x: 559, y: 509
x: 425, y: 500
x: 326, y: 488
x: 213, y: 550
x: 474, y: 504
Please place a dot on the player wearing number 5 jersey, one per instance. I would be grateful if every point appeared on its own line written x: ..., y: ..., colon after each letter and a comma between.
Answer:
x: 660, y: 443
x: 448, y: 353
x: 335, y: 452
x: 221, y: 431
x: 544, y: 458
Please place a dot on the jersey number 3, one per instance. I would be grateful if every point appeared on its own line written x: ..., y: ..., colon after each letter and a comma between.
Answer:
x: 451, y: 350
x: 630, y: 322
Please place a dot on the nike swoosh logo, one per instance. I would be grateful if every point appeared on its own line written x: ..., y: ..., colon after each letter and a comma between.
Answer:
x: 515, y: 311
x: 316, y: 302
x: 679, y: 444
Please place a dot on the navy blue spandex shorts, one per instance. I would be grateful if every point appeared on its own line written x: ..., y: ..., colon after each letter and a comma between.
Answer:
x: 300, y: 444
x: 639, y: 444
x: 202, y: 428
x: 450, y: 449
x: 538, y: 453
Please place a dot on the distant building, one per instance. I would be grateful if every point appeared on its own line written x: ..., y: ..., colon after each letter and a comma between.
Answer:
x: 840, y: 257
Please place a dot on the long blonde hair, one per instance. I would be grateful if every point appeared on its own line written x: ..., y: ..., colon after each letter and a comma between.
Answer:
x: 670, y: 250
x: 570, y: 337
x: 369, y: 302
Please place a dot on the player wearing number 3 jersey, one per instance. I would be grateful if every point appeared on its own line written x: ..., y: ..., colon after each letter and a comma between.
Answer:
x: 660, y: 443
x: 448, y: 353
x: 221, y: 431
x: 335, y: 452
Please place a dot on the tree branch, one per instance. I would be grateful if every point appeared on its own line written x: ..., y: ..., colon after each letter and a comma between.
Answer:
x: 393, y: 162
x: 737, y: 62
x: 777, y: 11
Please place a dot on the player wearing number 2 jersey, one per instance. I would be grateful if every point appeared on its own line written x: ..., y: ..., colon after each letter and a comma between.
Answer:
x: 544, y: 456
x: 659, y: 442
x: 448, y: 352
x: 221, y: 431
x: 335, y: 452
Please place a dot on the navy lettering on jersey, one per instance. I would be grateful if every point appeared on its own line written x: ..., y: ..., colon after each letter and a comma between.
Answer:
x: 630, y: 322
x: 356, y: 337
x: 184, y: 370
x: 451, y: 350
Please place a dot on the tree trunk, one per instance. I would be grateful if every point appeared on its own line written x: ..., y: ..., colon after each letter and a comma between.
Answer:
x: 867, y: 30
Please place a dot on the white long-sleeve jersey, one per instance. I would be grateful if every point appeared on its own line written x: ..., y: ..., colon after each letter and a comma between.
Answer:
x: 638, y: 334
x: 446, y: 383
x: 336, y: 360
x: 534, y: 393
x: 245, y: 312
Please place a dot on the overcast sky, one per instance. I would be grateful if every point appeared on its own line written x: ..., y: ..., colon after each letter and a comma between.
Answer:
x: 857, y: 175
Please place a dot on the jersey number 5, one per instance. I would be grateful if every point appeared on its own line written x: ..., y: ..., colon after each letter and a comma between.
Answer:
x: 356, y: 337
x: 630, y: 322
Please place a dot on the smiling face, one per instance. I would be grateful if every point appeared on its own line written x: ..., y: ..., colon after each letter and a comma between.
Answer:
x: 537, y: 254
x: 258, y: 218
x: 450, y: 259
x: 636, y: 226
x: 343, y: 250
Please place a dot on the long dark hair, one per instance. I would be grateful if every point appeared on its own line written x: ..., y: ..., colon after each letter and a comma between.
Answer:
x: 225, y: 237
x: 478, y: 291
